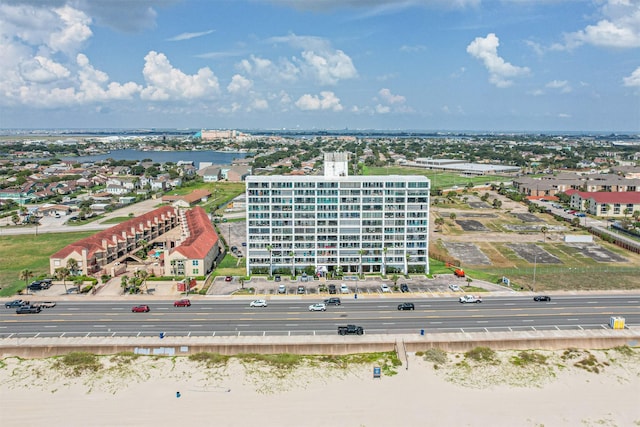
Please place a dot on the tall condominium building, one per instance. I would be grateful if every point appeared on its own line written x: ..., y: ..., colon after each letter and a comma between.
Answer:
x: 337, y: 223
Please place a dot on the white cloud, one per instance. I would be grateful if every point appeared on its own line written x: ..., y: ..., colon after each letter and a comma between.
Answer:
x: 619, y: 28
x: 632, y: 80
x: 500, y: 71
x: 320, y: 60
x: 72, y: 33
x: 412, y: 49
x: 326, y: 101
x: 259, y: 104
x: 164, y: 82
x: 43, y: 70
x: 383, y: 109
x: 239, y: 84
x: 375, y: 6
x: 562, y: 85
x: 390, y: 98
x: 265, y: 69
x: 93, y: 82
x: 189, y: 36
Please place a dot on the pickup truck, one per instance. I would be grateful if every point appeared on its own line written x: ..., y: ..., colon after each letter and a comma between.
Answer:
x: 470, y: 298
x: 350, y: 330
x: 15, y: 303
x: 28, y: 309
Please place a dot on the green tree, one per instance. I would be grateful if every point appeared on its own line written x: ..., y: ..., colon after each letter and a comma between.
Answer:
x: 361, y: 252
x: 439, y: 223
x: 25, y: 275
x: 72, y: 265
x: 62, y: 273
x: 270, y: 249
x: 384, y: 260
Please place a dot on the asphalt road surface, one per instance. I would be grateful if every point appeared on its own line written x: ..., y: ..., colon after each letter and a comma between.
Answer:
x: 292, y: 317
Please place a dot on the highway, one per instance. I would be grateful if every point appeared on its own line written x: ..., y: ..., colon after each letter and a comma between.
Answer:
x: 292, y: 317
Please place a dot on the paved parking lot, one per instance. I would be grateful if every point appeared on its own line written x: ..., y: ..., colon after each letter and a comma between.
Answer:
x: 368, y: 287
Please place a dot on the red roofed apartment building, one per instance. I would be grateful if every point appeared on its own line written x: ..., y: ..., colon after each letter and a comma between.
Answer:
x: 190, y: 254
x: 200, y: 246
x: 602, y: 203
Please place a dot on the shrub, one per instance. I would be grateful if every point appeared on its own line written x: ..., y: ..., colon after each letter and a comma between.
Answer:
x: 210, y: 360
x: 436, y: 355
x: 481, y: 354
x: 525, y: 358
x: 76, y: 363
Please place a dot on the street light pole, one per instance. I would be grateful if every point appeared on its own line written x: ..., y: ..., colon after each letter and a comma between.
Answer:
x: 535, y: 264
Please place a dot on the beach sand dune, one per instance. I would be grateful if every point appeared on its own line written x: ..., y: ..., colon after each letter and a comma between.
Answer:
x: 143, y: 391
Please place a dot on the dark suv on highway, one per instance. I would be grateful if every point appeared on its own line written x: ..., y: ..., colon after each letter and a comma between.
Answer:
x: 406, y: 306
x: 332, y: 301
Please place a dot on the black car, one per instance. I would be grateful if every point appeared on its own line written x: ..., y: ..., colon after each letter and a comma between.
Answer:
x: 404, y: 287
x: 332, y: 289
x: 406, y: 306
x: 332, y: 301
x: 277, y: 278
x: 542, y: 298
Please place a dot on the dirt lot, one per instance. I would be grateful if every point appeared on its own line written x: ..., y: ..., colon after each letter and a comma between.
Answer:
x: 510, y: 242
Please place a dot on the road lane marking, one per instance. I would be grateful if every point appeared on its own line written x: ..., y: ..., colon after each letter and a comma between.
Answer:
x: 194, y: 326
x: 99, y: 326
x: 117, y: 308
x: 50, y: 326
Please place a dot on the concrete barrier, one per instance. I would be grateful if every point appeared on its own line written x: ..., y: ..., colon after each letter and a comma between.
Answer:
x: 320, y: 345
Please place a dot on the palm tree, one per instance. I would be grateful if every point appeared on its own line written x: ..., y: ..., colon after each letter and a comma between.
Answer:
x: 72, y: 265
x: 270, y: 248
x: 292, y: 254
x: 25, y: 275
x: 384, y: 260
x: 62, y: 273
x: 124, y: 283
x: 406, y: 267
x: 439, y: 222
x: 143, y: 244
x: 544, y: 233
x: 361, y: 252
x: 452, y: 216
x: 142, y: 277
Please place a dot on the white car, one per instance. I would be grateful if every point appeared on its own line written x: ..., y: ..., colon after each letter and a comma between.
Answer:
x: 344, y: 289
x: 318, y: 307
x: 454, y: 287
x: 258, y: 303
x: 385, y: 288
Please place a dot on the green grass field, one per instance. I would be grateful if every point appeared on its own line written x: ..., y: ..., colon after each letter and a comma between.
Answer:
x: 438, y: 179
x: 29, y: 252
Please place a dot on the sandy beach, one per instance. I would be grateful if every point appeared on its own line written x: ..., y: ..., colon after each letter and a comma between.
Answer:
x: 508, y: 389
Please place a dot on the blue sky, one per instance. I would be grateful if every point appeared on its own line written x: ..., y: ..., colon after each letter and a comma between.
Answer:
x: 481, y: 65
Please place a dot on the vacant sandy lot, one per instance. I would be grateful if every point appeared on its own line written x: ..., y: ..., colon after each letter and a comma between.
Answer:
x: 508, y: 389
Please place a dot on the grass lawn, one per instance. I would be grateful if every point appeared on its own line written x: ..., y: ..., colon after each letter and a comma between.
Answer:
x: 30, y: 252
x: 117, y: 220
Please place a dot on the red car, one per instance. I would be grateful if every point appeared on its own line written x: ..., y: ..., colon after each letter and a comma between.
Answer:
x: 140, y: 309
x: 182, y: 303
x: 228, y: 279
